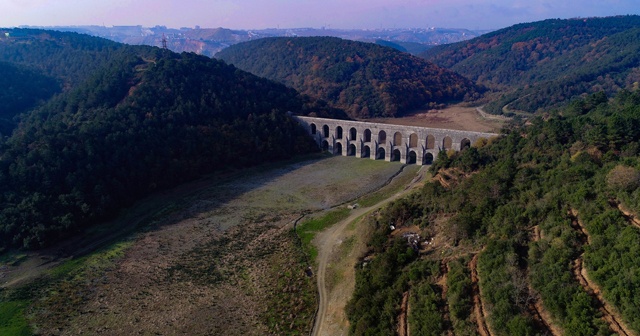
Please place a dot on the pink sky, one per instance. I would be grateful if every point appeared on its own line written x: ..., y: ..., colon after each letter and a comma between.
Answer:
x: 248, y: 14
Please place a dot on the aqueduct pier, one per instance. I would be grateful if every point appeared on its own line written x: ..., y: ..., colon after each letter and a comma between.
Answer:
x: 407, y: 144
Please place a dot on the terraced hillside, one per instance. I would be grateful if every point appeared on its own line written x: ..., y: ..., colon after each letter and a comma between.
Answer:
x: 534, y: 233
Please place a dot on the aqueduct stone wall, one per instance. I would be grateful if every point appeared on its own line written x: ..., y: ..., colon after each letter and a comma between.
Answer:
x: 407, y: 144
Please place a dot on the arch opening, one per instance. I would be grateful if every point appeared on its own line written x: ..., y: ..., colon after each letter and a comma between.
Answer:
x: 382, y: 137
x: 397, y: 139
x: 353, y: 134
x: 412, y: 159
x: 395, y: 155
x: 367, y: 135
x: 366, y: 152
x: 313, y: 129
x: 325, y: 131
x: 337, y: 150
x: 351, y: 150
x: 447, y: 143
x: 380, y: 154
x: 413, y: 140
x: 428, y: 159
x: 325, y: 145
x: 465, y: 143
x: 431, y: 142
x: 339, y: 132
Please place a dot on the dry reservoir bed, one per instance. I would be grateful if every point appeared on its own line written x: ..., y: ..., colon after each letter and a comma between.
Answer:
x: 224, y: 262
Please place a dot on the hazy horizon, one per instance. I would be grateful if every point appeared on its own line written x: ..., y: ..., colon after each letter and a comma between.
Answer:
x: 283, y: 14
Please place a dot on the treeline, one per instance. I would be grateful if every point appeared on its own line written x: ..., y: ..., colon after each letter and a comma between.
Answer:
x: 69, y: 57
x: 583, y: 160
x: 364, y: 79
x: 546, y: 64
x: 136, y: 126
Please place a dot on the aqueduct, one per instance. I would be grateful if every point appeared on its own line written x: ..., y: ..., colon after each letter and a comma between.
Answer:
x: 407, y: 144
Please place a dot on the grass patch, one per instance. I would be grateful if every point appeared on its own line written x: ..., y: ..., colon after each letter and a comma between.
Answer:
x: 12, y: 319
x: 336, y: 268
x: 101, y: 259
x: 69, y: 288
x: 347, y: 246
x: 352, y: 225
x: 59, y: 291
x: 389, y: 190
x: 12, y: 259
x: 308, y: 229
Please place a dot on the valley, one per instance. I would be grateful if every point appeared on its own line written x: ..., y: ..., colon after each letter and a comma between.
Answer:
x: 216, y: 247
x: 148, y: 192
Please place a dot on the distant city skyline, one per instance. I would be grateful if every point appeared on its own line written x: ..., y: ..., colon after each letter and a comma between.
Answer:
x: 339, y: 14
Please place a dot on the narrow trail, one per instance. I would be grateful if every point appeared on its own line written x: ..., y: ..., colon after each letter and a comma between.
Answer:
x: 404, y: 313
x: 330, y: 238
x: 630, y: 217
x: 580, y: 272
x: 478, y: 306
x: 442, y: 286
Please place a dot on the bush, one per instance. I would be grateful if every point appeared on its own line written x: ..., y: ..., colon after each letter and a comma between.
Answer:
x: 623, y: 178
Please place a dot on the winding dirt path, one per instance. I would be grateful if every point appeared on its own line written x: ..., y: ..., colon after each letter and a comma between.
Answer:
x: 609, y: 315
x: 329, y: 239
x: 478, y: 306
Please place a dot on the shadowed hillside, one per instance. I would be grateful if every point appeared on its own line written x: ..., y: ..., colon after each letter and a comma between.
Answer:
x: 22, y: 89
x: 144, y: 119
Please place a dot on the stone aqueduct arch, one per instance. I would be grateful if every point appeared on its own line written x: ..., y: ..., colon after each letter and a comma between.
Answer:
x: 407, y: 144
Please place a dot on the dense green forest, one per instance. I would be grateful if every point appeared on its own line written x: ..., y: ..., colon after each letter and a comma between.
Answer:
x: 364, y: 79
x: 36, y: 64
x: 144, y: 120
x: 523, y: 213
x: 22, y: 89
x: 69, y: 57
x: 546, y: 64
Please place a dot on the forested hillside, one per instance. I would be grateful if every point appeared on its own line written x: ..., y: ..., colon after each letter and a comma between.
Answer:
x: 364, y: 79
x: 534, y: 233
x: 22, y: 89
x: 548, y: 63
x: 36, y: 64
x: 140, y: 120
x: 69, y: 57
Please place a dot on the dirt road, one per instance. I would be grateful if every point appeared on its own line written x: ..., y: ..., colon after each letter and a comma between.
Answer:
x: 329, y: 239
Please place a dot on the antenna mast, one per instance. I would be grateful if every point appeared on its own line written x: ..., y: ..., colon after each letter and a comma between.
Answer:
x: 164, y: 41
